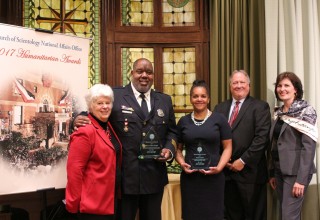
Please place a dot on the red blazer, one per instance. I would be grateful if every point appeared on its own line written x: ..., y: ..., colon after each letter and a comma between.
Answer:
x: 91, y: 171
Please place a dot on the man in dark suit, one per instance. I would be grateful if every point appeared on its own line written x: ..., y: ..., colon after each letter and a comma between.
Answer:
x: 246, y: 174
x: 143, y: 180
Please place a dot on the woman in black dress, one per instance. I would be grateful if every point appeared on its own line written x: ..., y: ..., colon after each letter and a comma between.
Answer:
x: 206, y: 138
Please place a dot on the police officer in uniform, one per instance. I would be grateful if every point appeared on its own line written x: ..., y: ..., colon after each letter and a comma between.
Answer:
x: 143, y: 180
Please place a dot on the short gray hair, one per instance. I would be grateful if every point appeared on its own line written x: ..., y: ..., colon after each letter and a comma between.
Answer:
x: 96, y: 91
x: 240, y: 71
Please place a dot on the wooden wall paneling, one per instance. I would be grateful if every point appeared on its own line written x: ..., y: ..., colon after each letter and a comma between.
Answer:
x: 158, y: 67
x: 107, y: 42
x: 108, y: 64
x: 117, y: 64
x: 32, y: 201
x: 161, y: 37
x: 3, y: 11
x: 11, y: 12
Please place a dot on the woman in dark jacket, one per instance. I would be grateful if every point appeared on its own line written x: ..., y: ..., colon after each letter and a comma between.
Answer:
x: 293, y: 137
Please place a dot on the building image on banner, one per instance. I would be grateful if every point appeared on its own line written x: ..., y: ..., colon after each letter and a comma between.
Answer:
x: 40, y: 92
x: 35, y: 121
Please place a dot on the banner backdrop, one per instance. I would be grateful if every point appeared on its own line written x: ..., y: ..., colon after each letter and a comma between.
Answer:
x: 43, y: 82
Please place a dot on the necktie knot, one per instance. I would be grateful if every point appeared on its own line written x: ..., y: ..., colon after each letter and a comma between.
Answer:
x: 142, y: 95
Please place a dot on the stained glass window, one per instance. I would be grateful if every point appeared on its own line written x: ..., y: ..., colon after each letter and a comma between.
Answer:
x: 178, y: 75
x: 137, y: 13
x: 142, y: 13
x: 178, y: 16
x: 74, y: 17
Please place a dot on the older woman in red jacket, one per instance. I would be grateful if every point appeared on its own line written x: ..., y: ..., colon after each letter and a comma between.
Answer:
x: 93, y: 167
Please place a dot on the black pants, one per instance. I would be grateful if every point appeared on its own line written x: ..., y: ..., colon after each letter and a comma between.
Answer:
x: 149, y: 206
x: 84, y: 216
x: 245, y: 201
x: 19, y: 214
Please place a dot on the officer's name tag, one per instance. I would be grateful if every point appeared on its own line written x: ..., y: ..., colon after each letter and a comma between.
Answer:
x: 126, y: 112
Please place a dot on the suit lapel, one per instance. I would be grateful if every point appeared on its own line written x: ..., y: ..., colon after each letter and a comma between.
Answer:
x: 227, y: 107
x: 104, y: 137
x: 101, y: 132
x: 245, y: 105
x: 284, y: 126
x: 132, y: 102
x: 273, y: 124
x: 153, y: 102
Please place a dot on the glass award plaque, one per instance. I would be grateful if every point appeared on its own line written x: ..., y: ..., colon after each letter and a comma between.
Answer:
x: 150, y: 146
x: 199, y: 158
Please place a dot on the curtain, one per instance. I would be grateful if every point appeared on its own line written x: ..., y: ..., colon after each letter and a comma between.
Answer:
x: 237, y: 41
x: 292, y: 44
x: 266, y: 38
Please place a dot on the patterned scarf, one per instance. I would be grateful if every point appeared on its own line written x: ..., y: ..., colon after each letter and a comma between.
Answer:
x: 300, y: 116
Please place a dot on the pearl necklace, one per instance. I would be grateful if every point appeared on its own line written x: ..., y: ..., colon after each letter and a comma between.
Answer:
x: 198, y: 123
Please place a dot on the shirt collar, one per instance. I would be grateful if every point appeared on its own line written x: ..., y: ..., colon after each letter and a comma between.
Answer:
x: 234, y: 101
x: 137, y: 94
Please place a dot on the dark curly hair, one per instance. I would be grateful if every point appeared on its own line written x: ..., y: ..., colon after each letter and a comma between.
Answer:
x: 296, y: 82
x: 200, y: 83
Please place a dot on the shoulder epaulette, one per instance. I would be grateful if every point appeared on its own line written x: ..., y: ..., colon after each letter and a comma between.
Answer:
x: 118, y: 87
x: 158, y: 92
